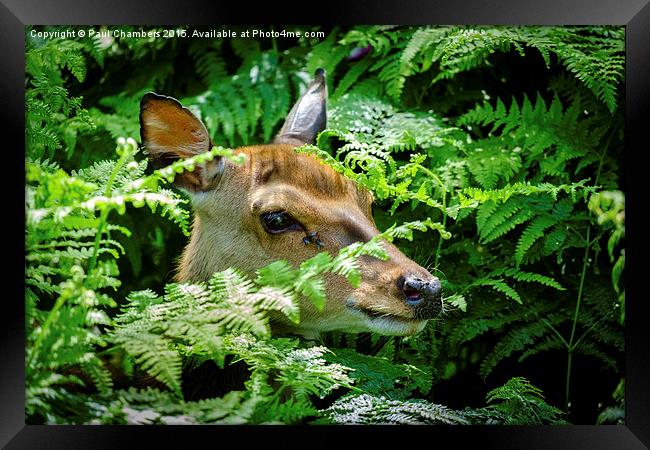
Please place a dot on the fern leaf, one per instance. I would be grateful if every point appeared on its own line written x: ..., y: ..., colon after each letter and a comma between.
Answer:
x: 154, y: 354
x: 269, y: 298
x: 516, y: 340
x: 367, y: 409
x: 533, y: 232
x: 500, y: 286
x: 351, y: 76
x: 518, y: 218
x: 497, y: 217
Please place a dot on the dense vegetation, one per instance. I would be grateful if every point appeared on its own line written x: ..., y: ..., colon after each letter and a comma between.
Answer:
x: 493, y: 154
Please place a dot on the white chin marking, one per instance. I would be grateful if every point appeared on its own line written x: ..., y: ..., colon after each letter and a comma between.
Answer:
x: 387, y: 325
x: 395, y: 327
x: 358, y: 322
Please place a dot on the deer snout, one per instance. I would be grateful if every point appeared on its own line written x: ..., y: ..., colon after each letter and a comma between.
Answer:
x: 424, y: 297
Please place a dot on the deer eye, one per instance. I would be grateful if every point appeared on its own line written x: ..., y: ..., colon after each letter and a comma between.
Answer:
x: 279, y: 221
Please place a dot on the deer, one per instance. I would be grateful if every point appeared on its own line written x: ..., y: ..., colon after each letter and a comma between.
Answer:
x: 282, y: 204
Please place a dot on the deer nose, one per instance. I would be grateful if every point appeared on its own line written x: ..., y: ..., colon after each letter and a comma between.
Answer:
x: 424, y: 297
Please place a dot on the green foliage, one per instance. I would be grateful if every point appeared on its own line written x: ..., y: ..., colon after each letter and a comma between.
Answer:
x: 609, y: 207
x: 235, y: 106
x: 54, y: 118
x: 196, y: 319
x: 513, y: 184
x: 615, y: 414
x: 594, y: 55
x: 520, y: 402
x: 380, y: 376
x: 552, y: 138
x: 366, y: 409
x: 71, y: 261
x: 516, y: 402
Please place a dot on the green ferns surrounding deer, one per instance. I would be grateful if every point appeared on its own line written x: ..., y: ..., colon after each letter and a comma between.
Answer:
x: 509, y: 190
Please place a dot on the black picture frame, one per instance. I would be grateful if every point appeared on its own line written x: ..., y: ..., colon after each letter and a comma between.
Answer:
x: 633, y: 14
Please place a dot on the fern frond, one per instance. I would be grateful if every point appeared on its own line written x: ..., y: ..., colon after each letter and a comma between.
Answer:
x: 154, y: 354
x: 378, y: 376
x: 534, y: 231
x: 523, y: 403
x: 516, y: 340
x: 350, y: 78
x: 366, y: 409
x: 500, y: 286
x: 528, y: 277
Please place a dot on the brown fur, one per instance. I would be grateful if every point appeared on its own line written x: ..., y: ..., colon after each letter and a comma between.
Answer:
x: 228, y: 231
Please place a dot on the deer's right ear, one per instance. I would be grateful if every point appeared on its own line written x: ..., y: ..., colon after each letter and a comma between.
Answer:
x: 170, y: 132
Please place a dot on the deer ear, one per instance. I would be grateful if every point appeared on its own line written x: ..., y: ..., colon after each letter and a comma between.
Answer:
x: 170, y: 132
x: 308, y: 117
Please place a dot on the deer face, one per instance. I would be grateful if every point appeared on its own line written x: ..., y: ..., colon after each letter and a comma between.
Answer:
x: 286, y: 205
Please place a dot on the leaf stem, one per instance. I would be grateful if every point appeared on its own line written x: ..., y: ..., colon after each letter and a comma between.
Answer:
x: 585, y: 262
x: 575, y: 345
x: 91, y: 265
x: 554, y: 330
x: 571, y: 346
x: 444, y: 211
x: 50, y: 317
x: 568, y: 380
x: 104, y: 215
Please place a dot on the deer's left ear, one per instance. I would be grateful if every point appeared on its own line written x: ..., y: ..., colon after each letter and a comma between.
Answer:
x: 308, y: 117
x: 170, y: 132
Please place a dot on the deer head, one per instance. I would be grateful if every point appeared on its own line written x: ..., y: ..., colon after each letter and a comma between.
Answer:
x: 247, y: 216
